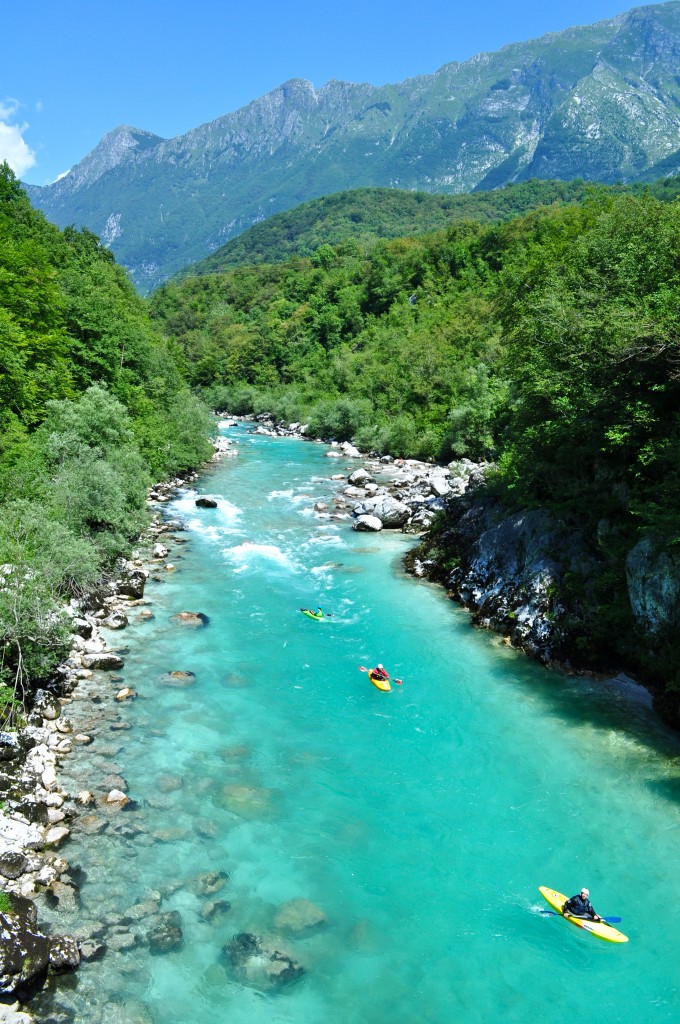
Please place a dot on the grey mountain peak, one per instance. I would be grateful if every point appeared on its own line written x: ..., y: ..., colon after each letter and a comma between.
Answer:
x: 600, y: 102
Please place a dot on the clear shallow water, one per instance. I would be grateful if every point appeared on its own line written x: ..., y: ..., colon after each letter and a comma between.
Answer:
x: 421, y: 821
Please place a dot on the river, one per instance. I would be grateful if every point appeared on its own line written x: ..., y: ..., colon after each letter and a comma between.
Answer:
x: 421, y: 822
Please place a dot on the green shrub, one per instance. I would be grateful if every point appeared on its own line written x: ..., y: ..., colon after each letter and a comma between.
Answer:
x: 339, y: 419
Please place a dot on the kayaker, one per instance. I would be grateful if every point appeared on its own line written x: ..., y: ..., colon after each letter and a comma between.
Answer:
x: 580, y: 906
x: 380, y: 672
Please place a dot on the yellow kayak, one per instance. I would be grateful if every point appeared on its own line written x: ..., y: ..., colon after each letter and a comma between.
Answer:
x: 382, y: 684
x: 600, y: 928
x: 312, y: 615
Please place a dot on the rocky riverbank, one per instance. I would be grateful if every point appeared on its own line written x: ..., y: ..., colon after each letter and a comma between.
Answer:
x: 37, y: 813
x: 384, y: 492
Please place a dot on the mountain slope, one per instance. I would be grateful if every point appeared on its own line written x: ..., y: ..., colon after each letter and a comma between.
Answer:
x: 599, y: 102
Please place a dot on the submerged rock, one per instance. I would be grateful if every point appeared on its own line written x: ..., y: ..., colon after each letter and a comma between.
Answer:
x: 194, y: 619
x: 247, y: 801
x: 259, y: 963
x: 215, y: 910
x: 211, y: 882
x: 299, y: 916
x: 180, y: 680
x: 205, y: 503
x: 166, y: 933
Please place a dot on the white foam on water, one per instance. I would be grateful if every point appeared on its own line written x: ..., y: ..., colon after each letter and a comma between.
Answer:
x: 327, y: 539
x: 321, y: 570
x: 227, y: 514
x: 248, y: 552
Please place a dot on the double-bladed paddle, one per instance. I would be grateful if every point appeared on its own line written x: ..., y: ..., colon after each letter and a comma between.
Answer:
x: 607, y: 920
x: 362, y: 668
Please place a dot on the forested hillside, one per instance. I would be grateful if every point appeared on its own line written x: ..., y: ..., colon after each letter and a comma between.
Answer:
x: 369, y: 214
x: 549, y: 343
x: 93, y: 406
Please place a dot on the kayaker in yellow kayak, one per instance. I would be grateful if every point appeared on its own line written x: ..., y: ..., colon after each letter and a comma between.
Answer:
x: 318, y: 614
x: 580, y: 906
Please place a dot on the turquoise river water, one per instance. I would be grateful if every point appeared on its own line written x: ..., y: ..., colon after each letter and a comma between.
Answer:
x: 421, y: 821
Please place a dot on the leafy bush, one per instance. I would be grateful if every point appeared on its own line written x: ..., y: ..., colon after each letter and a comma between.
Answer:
x: 339, y: 419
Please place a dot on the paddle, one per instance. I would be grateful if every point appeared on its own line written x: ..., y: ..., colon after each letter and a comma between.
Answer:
x: 362, y: 668
x: 607, y: 920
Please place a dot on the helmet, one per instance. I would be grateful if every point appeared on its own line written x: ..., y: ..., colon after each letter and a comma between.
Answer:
x: 585, y: 892
x: 379, y: 665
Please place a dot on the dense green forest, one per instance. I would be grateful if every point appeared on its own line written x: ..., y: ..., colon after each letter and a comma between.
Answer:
x: 546, y: 341
x: 93, y: 407
x: 371, y: 214
x: 549, y: 343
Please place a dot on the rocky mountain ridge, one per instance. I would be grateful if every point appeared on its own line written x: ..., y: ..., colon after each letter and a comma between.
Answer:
x: 600, y: 102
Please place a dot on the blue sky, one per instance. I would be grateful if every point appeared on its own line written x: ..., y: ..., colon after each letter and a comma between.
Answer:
x: 75, y: 69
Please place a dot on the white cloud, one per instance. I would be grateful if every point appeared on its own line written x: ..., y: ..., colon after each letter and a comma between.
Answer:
x: 13, y: 147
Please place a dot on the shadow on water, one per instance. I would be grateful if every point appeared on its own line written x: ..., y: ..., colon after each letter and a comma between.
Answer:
x: 616, y: 707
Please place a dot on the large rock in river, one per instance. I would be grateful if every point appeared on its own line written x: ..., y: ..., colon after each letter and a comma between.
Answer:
x: 391, y: 513
x: 367, y: 524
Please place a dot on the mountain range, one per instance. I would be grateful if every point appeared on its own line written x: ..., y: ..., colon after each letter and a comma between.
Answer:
x: 600, y: 102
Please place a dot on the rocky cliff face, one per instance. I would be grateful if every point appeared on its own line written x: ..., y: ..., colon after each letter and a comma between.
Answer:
x: 600, y: 102
x: 516, y: 573
x: 507, y: 569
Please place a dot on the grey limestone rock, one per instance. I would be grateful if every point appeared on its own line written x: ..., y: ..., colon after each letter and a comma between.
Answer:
x: 367, y: 524
x: 104, y: 661
x: 391, y: 512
